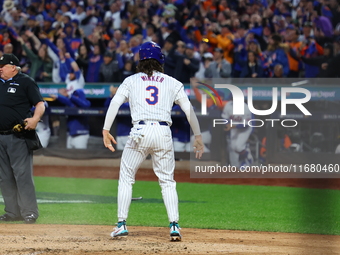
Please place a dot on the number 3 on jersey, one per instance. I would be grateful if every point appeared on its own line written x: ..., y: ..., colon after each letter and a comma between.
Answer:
x: 154, y: 95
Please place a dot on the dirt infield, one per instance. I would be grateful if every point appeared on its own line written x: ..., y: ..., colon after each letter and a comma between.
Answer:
x: 22, y: 239
x: 78, y: 240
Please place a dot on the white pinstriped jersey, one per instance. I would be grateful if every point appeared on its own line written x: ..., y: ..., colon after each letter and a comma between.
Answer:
x: 151, y: 98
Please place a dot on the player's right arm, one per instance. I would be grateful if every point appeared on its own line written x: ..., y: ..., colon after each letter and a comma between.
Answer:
x: 120, y: 97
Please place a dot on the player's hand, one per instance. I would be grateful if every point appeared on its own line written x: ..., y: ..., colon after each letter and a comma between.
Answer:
x: 108, y: 139
x: 198, y: 146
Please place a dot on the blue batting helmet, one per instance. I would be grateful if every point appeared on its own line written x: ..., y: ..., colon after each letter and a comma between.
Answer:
x: 151, y: 50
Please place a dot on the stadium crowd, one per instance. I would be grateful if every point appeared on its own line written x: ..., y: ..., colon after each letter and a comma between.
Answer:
x: 205, y: 39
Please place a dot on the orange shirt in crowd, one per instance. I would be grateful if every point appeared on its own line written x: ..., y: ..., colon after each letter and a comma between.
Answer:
x: 225, y: 42
x: 293, y: 63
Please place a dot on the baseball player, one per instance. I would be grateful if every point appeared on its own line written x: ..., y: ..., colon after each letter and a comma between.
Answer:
x: 239, y: 152
x: 151, y: 95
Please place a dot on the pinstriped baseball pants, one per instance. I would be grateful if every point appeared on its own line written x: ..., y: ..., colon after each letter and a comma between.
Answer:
x: 157, y: 142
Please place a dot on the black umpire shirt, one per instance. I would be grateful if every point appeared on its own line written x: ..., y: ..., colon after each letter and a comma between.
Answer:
x: 17, y: 96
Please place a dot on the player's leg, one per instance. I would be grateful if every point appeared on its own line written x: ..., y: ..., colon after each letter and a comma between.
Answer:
x: 133, y: 155
x: 132, y: 158
x: 164, y: 164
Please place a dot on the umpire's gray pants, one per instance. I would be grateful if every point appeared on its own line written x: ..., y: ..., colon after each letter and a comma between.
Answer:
x: 16, y: 177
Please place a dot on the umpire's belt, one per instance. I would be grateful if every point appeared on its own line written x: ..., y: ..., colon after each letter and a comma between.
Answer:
x: 162, y: 123
x: 6, y: 132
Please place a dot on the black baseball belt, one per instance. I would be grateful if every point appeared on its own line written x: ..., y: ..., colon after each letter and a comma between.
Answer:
x: 6, y: 132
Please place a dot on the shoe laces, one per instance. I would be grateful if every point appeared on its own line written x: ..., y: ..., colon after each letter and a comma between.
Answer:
x: 121, y: 223
x: 174, y: 225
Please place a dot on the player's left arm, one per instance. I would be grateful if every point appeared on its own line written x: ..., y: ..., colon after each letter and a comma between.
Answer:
x: 187, y: 108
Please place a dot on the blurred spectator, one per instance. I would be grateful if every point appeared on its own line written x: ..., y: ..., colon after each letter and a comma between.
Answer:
x: 311, y: 49
x: 83, y: 58
x: 113, y: 15
x: 186, y: 64
x: 117, y: 37
x: 276, y: 53
x: 109, y: 69
x: 124, y: 51
x: 168, y: 50
x: 252, y: 68
x: 219, y: 68
x: 89, y: 22
x: 41, y: 64
x: 18, y: 19
x: 332, y: 66
x: 321, y: 61
x: 295, y: 47
x: 7, y: 7
x: 61, y: 67
x: 8, y: 48
x: 128, y: 69
x: 204, y: 64
x: 278, y: 71
x: 80, y: 13
x: 95, y: 58
x: 224, y: 41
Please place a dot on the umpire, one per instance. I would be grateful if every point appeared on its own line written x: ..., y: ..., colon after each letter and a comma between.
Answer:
x: 18, y: 93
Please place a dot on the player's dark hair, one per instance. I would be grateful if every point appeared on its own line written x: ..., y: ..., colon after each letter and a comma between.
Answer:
x: 148, y: 66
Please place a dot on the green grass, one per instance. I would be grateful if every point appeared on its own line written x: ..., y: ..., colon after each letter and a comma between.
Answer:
x: 258, y: 208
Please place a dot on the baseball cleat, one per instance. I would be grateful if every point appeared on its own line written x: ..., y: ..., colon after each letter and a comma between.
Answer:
x: 175, y: 235
x: 6, y: 217
x: 120, y: 230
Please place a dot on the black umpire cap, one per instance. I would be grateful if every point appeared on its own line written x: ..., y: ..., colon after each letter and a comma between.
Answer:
x: 9, y: 59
